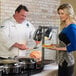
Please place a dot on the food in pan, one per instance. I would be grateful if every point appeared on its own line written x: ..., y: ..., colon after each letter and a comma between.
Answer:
x: 36, y: 55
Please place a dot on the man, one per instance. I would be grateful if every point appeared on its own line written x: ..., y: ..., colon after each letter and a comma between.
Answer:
x: 14, y: 34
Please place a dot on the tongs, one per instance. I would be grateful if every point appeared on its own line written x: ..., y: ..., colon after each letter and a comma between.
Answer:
x: 35, y: 47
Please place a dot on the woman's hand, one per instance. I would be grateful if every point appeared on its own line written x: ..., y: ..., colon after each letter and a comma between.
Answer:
x: 51, y: 46
x: 57, y: 47
x: 54, y: 48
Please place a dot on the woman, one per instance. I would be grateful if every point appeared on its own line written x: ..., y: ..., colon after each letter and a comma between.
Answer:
x: 67, y: 39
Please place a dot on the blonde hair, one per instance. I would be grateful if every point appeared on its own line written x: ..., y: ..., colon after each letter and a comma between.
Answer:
x: 69, y: 11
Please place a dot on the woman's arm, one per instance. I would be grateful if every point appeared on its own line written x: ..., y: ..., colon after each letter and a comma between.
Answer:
x: 61, y: 48
x: 57, y: 47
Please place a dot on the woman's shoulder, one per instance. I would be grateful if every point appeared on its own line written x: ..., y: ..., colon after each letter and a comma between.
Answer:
x: 72, y: 26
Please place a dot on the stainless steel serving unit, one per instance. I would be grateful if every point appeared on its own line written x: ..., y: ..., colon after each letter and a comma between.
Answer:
x: 23, y: 66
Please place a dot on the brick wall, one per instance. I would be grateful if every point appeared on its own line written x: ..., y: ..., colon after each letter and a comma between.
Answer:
x: 0, y: 11
x: 41, y: 12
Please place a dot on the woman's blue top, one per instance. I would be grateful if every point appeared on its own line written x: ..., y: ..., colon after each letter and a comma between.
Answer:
x: 70, y: 33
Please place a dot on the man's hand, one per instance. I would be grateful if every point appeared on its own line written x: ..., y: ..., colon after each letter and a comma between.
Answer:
x: 20, y: 46
x: 23, y: 47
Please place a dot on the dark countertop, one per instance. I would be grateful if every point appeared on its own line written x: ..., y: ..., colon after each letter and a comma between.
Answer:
x: 27, y: 73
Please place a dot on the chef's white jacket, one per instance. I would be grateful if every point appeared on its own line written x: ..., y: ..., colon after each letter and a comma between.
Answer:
x: 12, y: 32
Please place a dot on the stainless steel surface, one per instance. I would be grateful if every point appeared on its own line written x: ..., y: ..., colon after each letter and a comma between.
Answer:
x: 24, y: 66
